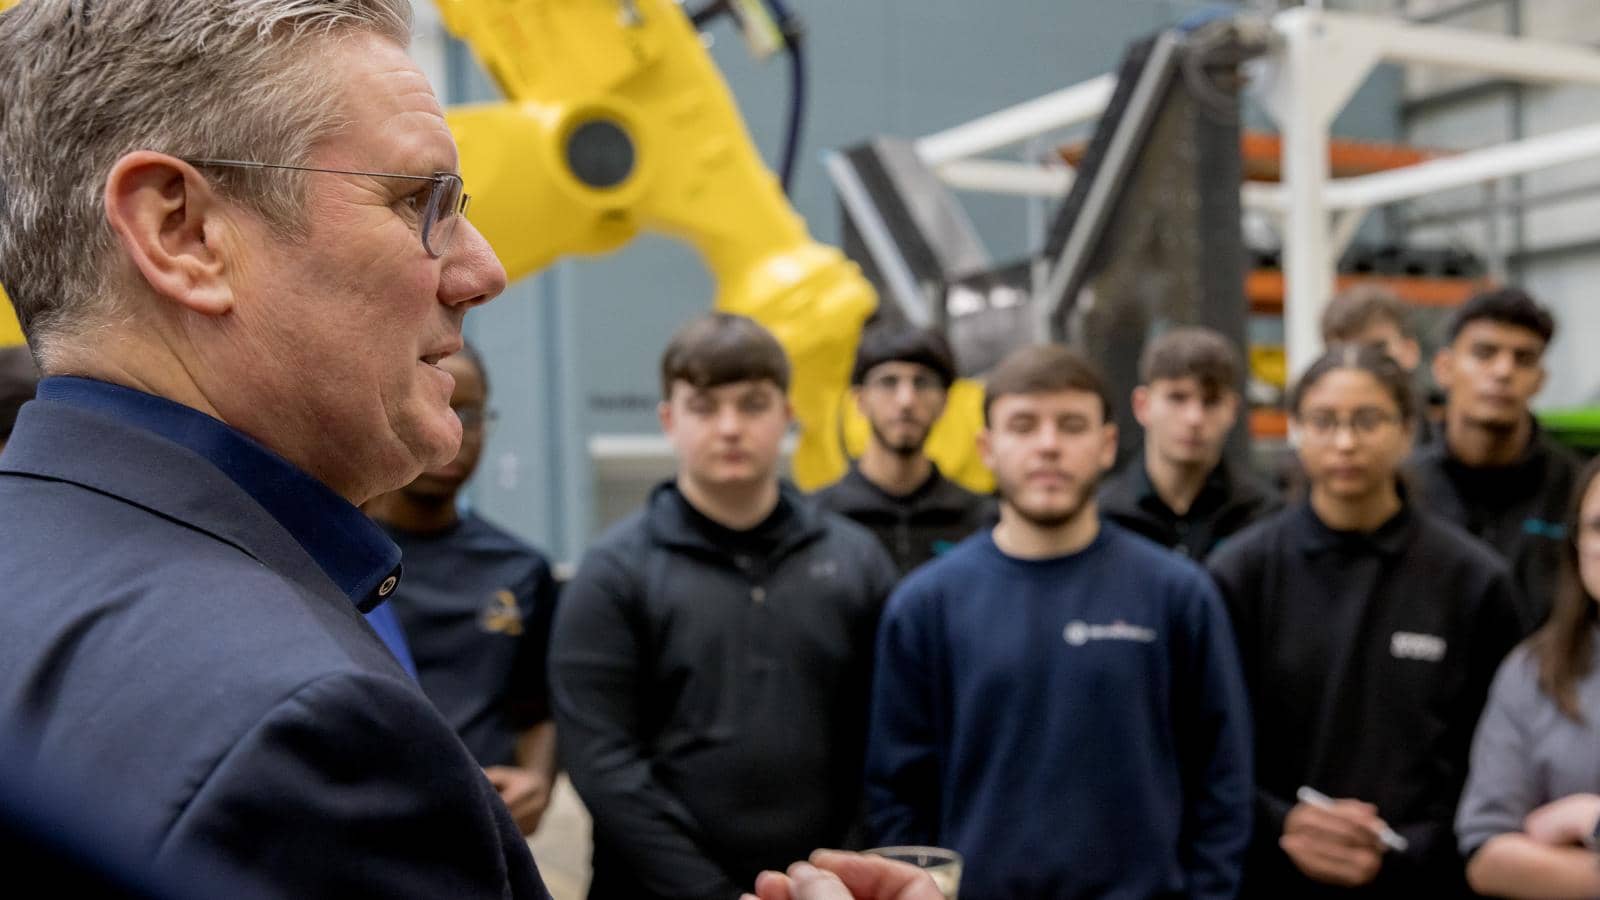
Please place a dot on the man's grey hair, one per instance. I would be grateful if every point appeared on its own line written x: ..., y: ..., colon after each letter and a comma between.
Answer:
x: 88, y: 81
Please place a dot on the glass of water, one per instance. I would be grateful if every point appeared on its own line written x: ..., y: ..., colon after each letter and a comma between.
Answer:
x: 943, y: 866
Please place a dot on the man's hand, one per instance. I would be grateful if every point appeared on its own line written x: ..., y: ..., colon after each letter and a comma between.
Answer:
x: 836, y: 875
x: 1335, y: 846
x: 1564, y: 822
x: 525, y: 793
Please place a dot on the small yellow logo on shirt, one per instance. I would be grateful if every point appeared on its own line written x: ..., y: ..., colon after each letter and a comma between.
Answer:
x: 501, y: 615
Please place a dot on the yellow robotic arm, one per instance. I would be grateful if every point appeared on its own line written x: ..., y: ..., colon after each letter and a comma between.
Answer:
x: 618, y: 121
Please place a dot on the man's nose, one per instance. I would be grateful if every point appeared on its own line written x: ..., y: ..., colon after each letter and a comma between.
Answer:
x: 728, y: 419
x: 472, y: 274
x: 1050, y: 438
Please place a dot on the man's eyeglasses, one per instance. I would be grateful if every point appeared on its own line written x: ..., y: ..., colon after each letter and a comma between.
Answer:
x: 889, y: 383
x: 440, y: 205
x: 1363, y: 423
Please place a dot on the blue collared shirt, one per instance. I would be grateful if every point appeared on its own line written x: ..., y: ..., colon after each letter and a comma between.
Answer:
x: 350, y: 548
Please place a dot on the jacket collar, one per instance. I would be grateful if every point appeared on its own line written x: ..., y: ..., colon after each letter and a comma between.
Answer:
x: 932, y: 493
x: 1516, y: 477
x: 671, y: 521
x: 1223, y: 489
x: 182, y: 463
x: 1391, y: 538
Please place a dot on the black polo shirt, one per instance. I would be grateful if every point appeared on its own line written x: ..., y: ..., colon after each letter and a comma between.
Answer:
x: 476, y: 606
x: 1229, y: 501
x: 1368, y: 658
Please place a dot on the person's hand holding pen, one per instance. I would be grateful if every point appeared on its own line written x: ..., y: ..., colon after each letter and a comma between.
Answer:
x: 1337, y: 841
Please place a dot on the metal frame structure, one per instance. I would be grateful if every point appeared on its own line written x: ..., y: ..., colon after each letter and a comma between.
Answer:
x: 1318, y: 60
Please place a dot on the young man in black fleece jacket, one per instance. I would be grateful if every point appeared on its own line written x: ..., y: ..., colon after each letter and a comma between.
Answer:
x: 712, y: 657
x: 1181, y: 492
x: 900, y: 382
x: 1493, y: 471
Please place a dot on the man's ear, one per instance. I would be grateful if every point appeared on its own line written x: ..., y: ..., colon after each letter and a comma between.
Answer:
x: 1141, y: 404
x: 1444, y: 368
x: 664, y: 416
x: 1410, y: 355
x: 1232, y: 400
x: 1108, y: 446
x: 167, y: 218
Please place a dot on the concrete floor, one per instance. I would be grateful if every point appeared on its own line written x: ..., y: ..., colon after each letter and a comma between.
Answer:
x: 561, y: 845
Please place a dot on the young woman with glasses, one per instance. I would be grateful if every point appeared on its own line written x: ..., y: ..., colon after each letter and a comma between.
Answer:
x: 1369, y: 633
x: 1532, y: 802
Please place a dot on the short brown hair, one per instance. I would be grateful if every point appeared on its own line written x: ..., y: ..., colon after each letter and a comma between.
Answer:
x: 1358, y: 308
x: 1192, y: 352
x: 722, y: 348
x: 1044, y: 369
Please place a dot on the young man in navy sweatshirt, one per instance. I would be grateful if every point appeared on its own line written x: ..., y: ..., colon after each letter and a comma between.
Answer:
x: 1059, y: 700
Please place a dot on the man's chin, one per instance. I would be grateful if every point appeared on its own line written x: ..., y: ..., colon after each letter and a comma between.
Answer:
x: 438, y: 444
x: 1498, y: 419
x: 1052, y: 512
x: 901, y: 440
x: 733, y: 477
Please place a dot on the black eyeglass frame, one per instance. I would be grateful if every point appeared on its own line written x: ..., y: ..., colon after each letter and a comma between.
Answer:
x: 432, y: 215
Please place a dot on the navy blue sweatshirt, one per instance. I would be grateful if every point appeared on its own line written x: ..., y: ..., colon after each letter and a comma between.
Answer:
x: 1074, y: 727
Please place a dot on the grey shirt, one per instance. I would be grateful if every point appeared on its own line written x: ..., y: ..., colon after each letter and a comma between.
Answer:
x: 1527, y: 752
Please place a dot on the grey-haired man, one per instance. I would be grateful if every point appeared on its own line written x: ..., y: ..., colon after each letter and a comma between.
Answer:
x: 234, y: 236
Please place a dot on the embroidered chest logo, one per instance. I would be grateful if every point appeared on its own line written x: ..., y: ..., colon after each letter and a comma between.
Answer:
x: 1078, y: 632
x: 501, y: 615
x: 1420, y: 647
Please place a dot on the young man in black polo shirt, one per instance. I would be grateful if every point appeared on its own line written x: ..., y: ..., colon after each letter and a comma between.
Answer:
x: 712, y: 657
x: 900, y: 382
x: 1493, y: 471
x: 475, y: 605
x: 1182, y: 493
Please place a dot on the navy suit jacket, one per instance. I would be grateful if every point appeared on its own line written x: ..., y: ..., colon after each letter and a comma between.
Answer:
x: 161, y: 633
